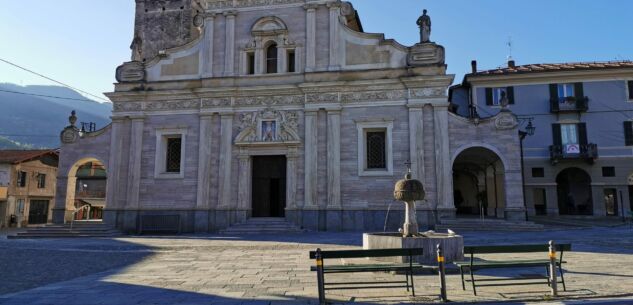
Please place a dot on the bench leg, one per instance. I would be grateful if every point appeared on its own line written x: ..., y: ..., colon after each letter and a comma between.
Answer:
x: 562, y: 277
x: 412, y: 287
x: 461, y: 271
x: 472, y: 279
x: 547, y: 272
x: 406, y: 274
x: 321, y: 284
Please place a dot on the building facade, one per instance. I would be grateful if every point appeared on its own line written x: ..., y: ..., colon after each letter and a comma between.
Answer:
x: 282, y: 108
x: 27, y: 186
x: 580, y: 159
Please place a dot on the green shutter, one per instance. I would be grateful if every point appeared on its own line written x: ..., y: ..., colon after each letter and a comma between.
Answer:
x: 556, y: 136
x: 510, y: 92
x: 579, y: 90
x: 631, y: 89
x: 582, y: 133
x: 489, y: 96
x: 628, y: 133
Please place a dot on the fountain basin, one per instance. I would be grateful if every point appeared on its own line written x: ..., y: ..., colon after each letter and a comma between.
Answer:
x: 452, y: 245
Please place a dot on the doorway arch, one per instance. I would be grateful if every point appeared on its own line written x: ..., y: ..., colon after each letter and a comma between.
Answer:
x: 573, y: 187
x: 479, y: 182
x: 86, y: 189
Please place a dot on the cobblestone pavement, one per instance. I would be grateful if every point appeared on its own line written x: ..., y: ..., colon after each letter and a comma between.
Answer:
x: 275, y: 270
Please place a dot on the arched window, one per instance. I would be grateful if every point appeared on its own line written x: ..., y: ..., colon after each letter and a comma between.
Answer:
x: 271, y: 58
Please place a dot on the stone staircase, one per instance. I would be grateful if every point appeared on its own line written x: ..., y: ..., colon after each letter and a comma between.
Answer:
x: 489, y: 224
x: 86, y: 229
x: 262, y: 226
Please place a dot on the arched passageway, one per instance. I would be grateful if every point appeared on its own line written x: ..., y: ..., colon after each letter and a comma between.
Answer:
x: 479, y: 183
x: 573, y: 187
x: 86, y: 191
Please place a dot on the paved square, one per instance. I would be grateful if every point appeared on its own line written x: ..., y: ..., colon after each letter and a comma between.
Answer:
x: 213, y: 269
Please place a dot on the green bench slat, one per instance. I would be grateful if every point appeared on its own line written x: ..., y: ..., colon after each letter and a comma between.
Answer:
x: 517, y: 263
x: 514, y: 248
x: 368, y: 253
x: 368, y: 268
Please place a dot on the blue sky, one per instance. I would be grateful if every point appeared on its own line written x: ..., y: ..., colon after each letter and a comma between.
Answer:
x: 81, y: 42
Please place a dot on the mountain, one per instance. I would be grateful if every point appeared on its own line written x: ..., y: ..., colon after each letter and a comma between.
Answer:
x: 29, y: 121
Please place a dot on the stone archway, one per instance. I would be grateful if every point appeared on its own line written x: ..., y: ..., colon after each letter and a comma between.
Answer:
x: 479, y: 183
x: 573, y: 187
x: 86, y: 189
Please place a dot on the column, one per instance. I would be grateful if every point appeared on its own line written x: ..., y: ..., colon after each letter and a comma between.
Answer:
x: 226, y: 150
x: 207, y: 45
x: 229, y: 51
x: 334, y: 158
x: 134, y: 165
x: 113, y: 172
x: 334, y: 34
x: 416, y: 143
x: 443, y: 166
x: 310, y: 36
x: 311, y: 141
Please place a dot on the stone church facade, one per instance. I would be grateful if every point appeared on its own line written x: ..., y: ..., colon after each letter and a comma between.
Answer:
x: 280, y: 108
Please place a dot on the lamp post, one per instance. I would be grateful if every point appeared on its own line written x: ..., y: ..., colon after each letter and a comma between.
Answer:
x: 529, y: 131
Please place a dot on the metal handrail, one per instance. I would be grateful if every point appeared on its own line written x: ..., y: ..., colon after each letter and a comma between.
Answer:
x: 72, y: 221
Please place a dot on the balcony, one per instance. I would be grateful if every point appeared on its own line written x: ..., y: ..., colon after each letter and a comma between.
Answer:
x: 588, y: 153
x: 569, y: 104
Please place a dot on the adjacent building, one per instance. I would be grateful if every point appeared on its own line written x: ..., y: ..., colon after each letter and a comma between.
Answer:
x: 579, y: 160
x: 281, y: 108
x: 27, y: 186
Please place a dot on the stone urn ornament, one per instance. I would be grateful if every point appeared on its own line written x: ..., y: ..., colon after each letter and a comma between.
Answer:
x: 409, y: 190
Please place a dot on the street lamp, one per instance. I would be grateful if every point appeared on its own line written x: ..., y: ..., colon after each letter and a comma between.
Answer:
x: 529, y: 131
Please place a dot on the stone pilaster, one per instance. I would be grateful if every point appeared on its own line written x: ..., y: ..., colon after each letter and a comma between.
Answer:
x: 114, y: 172
x: 226, y: 151
x: 134, y: 164
x: 335, y: 12
x: 334, y: 158
x: 311, y: 141
x: 291, y: 178
x: 207, y: 45
x: 416, y: 143
x: 244, y: 183
x: 443, y: 166
x: 229, y: 51
x: 514, y: 206
x: 204, y: 174
x: 310, y: 36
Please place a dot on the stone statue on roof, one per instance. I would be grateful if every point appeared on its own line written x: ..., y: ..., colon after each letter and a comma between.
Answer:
x: 424, y: 22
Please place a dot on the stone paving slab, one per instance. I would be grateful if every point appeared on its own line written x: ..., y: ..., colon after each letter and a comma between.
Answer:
x: 275, y: 270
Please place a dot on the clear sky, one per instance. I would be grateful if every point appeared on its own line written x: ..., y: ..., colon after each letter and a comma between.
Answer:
x: 81, y: 42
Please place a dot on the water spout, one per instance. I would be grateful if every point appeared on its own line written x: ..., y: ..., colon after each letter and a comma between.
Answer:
x: 384, y: 229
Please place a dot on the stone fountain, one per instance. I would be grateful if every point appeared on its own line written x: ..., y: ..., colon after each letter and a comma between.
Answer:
x: 409, y: 191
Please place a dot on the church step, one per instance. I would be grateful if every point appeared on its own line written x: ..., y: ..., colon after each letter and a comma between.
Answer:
x: 79, y: 229
x: 263, y: 226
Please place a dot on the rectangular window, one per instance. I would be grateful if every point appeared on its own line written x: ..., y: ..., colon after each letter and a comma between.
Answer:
x: 19, y: 207
x: 173, y: 155
x: 628, y: 133
x: 611, y: 201
x: 376, y: 150
x: 21, y: 182
x: 291, y: 61
x: 538, y: 172
x: 494, y: 96
x: 630, y: 86
x: 250, y: 63
x: 565, y: 91
x: 608, y: 171
x: 569, y: 134
x: 41, y: 181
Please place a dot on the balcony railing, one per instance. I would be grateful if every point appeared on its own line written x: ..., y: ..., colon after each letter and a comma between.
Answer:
x: 588, y: 152
x: 569, y: 104
x: 90, y: 194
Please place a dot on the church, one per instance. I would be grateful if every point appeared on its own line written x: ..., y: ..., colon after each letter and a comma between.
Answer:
x: 234, y: 110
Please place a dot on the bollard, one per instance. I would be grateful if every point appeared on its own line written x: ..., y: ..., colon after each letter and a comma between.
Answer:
x: 442, y: 269
x: 320, y: 279
x: 552, y: 268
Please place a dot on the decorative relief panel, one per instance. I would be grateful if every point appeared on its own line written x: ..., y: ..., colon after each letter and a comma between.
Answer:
x: 270, y: 100
x: 247, y: 3
x: 428, y: 92
x: 127, y: 106
x: 506, y: 120
x: 322, y: 98
x: 268, y: 125
x: 393, y: 95
x: 173, y: 105
x: 216, y: 102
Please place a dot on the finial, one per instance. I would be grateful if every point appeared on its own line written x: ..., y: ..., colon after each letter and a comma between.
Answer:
x: 73, y: 118
x: 408, y: 164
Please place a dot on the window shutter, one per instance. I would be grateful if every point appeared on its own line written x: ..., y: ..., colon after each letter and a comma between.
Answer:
x: 582, y: 133
x: 578, y: 90
x: 556, y: 136
x: 628, y: 133
x: 631, y: 89
x: 489, y: 96
x: 553, y: 91
x: 510, y: 92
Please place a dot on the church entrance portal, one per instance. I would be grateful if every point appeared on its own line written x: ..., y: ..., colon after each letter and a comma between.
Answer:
x: 269, y: 186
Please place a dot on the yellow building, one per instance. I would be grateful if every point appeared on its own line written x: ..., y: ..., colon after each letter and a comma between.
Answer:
x: 27, y: 186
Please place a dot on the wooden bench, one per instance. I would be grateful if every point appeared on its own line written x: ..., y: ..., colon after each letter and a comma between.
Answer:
x: 543, y: 261
x: 407, y: 268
